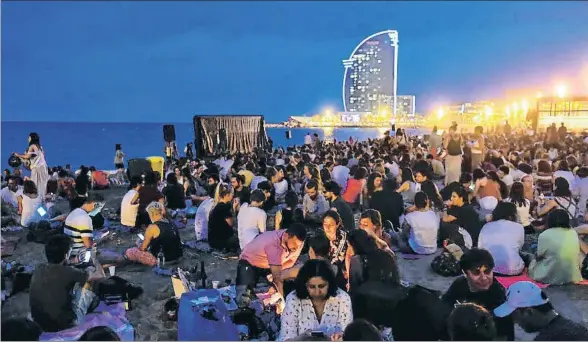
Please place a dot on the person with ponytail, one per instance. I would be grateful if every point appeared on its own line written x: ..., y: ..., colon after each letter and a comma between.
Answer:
x: 220, y: 225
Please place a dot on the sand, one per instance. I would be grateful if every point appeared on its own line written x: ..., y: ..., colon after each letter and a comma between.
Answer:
x: 147, y: 313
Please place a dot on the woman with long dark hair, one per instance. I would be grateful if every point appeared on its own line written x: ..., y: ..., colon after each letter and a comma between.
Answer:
x: 119, y: 163
x: 36, y: 156
x: 523, y: 205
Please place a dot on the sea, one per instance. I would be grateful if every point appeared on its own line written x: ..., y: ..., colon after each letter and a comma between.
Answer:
x: 93, y: 144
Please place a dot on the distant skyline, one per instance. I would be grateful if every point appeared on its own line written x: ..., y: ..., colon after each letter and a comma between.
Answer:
x: 132, y: 61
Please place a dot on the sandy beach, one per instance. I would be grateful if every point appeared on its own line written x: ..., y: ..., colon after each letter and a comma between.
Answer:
x: 147, y: 314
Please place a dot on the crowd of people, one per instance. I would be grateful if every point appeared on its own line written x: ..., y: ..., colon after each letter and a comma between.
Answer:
x: 324, y: 224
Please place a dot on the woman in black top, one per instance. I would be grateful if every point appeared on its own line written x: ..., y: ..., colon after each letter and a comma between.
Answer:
x: 368, y: 262
x: 174, y: 194
x: 160, y: 236
x: 452, y: 144
x: 220, y: 224
x: 290, y: 214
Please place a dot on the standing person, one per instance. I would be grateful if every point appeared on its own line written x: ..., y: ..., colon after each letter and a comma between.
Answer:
x: 36, y: 156
x: 478, y: 147
x: 435, y: 141
x: 189, y: 152
x: 119, y: 163
x: 307, y: 140
x: 452, y: 143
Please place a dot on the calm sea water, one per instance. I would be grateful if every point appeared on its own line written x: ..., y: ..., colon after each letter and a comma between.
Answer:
x: 92, y: 144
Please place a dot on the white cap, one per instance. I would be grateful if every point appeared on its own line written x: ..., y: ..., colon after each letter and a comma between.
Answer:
x: 522, y: 294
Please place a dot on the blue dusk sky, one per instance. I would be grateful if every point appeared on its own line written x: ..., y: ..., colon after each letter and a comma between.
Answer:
x: 167, y: 61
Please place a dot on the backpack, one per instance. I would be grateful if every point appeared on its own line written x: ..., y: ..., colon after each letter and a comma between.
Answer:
x: 446, y: 265
x: 41, y: 231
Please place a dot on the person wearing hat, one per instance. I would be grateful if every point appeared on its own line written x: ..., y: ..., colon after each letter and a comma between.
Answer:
x: 532, y: 310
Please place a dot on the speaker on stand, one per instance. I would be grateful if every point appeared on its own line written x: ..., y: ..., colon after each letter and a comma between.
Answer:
x: 288, y: 134
x: 169, y: 133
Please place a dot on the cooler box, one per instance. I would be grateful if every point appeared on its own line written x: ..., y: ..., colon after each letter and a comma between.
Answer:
x: 157, y: 164
x: 203, y: 316
x: 138, y: 166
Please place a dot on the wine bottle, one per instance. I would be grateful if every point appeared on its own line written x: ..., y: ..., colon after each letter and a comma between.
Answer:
x: 203, y: 274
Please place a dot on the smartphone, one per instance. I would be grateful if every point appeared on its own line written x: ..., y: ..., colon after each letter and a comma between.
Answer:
x: 105, y: 234
x: 42, y: 211
x: 87, y: 256
x: 141, y: 236
x: 317, y: 334
x: 472, y: 186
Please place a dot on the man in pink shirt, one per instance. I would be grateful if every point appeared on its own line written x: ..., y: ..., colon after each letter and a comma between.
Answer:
x: 270, y: 252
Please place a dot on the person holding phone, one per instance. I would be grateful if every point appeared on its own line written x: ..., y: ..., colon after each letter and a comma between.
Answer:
x: 78, y: 225
x: 317, y: 307
x: 52, y: 304
x: 28, y: 204
x: 161, y: 236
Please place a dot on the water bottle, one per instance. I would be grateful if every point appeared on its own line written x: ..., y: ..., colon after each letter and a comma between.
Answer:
x: 160, y: 259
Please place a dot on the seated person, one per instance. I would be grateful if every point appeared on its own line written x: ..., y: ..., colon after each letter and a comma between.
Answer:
x: 160, y: 237
x: 202, y: 215
x: 471, y: 322
x: 174, y: 193
x: 20, y: 329
x: 419, y: 230
x: 100, y: 333
x: 333, y: 229
x: 251, y: 220
x: 221, y: 235
x: 558, y: 249
x: 531, y: 309
x: 319, y: 247
x: 503, y: 238
x: 60, y: 295
x: 270, y: 195
x: 241, y: 191
x: 28, y: 203
x: 99, y: 179
x: 148, y: 193
x: 11, y: 192
x: 130, y: 203
x: 317, y: 304
x: 314, y: 204
x: 361, y: 330
x: 368, y: 262
x: 460, y: 214
x: 78, y: 225
x: 291, y: 213
x: 371, y: 222
x: 479, y: 286
x: 270, y: 252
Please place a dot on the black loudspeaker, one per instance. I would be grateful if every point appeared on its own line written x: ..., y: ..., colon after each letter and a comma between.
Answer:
x: 288, y: 134
x: 138, y: 167
x: 394, y: 127
x: 169, y: 133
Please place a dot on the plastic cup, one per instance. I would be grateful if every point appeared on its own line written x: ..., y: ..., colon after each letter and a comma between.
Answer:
x: 215, y: 284
x: 111, y: 270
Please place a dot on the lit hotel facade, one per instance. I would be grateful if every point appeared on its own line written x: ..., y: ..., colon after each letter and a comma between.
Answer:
x: 370, y: 78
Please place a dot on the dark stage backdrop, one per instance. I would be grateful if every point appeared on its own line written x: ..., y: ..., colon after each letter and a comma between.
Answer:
x: 228, y: 133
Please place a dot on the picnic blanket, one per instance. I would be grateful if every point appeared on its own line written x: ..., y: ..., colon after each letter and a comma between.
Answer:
x: 508, y: 281
x: 112, y: 316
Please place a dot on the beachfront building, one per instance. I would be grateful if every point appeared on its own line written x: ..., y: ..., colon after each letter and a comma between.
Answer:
x: 370, y: 78
x: 405, y: 105
x: 572, y: 111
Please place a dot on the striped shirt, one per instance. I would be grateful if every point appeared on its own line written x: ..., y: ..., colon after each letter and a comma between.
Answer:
x: 78, y: 224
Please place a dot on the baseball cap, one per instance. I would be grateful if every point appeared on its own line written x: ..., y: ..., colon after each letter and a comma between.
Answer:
x: 522, y: 294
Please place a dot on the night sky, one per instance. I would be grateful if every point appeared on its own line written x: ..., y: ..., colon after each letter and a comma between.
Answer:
x: 166, y: 61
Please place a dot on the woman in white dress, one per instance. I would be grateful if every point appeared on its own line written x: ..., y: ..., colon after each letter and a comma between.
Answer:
x: 38, y: 165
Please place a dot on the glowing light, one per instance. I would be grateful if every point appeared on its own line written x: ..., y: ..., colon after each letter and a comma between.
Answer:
x: 515, y: 106
x: 561, y: 90
x: 507, y: 111
x: 440, y: 113
x: 488, y: 111
x: 539, y: 95
x: 525, y: 105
